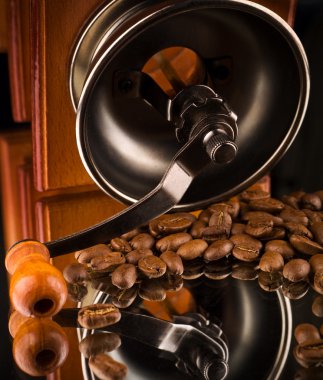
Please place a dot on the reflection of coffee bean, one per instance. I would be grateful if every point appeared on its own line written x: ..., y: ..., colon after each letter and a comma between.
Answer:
x: 218, y: 270
x: 152, y: 290
x: 98, y: 315
x: 244, y: 271
x: 294, y: 290
x: 308, y: 374
x: 76, y: 292
x: 318, y: 282
x: 296, y: 270
x: 317, y: 306
x: 270, y: 281
x: 311, y: 350
x: 305, y: 332
x: 104, y: 367
x: 193, y: 269
x: 98, y: 343
x: 172, y: 282
x: 124, y: 297
x: 246, y: 248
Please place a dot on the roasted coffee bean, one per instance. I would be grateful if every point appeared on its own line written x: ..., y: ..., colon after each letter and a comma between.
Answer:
x: 172, y: 282
x: 124, y: 276
x: 98, y: 315
x: 75, y: 273
x: 319, y: 193
x: 270, y: 205
x: 173, y: 242
x: 134, y: 256
x: 76, y: 292
x: 305, y: 245
x: 131, y: 234
x: 152, y: 290
x: 321, y: 329
x: 211, y: 234
x: 197, y: 229
x: 108, y: 262
x: 173, y: 262
x: 218, y: 270
x: 318, y: 282
x: 317, y: 306
x: 282, y: 247
x: 311, y: 350
x: 99, y: 343
x: 296, y: 270
x: 86, y: 255
x: 297, y: 194
x: 238, y: 228
x: 244, y: 271
x: 298, y: 229
x: 246, y: 248
x: 124, y: 297
x: 253, y: 194
x: 205, y: 216
x: 309, y: 374
x: 222, y: 221
x: 270, y: 281
x: 316, y: 263
x: 192, y: 249
x: 303, y: 363
x: 218, y: 249
x: 291, y: 201
x: 186, y: 215
x: 271, y: 262
x: 106, y: 368
x: 173, y: 224
x: 311, y: 201
x: 277, y: 233
x: 259, y: 229
x: 261, y: 216
x: 317, y: 229
x: 142, y: 241
x: 306, y: 332
x: 193, y: 269
x: 294, y: 290
x: 313, y: 216
x: 153, y: 225
x: 120, y: 245
x: 296, y: 216
x: 152, y: 266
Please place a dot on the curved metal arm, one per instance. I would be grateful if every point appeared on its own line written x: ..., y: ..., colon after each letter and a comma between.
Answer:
x: 184, y: 167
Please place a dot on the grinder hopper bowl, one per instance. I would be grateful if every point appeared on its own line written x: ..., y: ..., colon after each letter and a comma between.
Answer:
x: 218, y: 128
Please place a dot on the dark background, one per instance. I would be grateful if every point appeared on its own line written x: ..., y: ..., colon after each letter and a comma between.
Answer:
x: 300, y: 169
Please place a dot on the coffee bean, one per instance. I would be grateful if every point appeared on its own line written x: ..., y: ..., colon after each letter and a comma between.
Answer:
x: 120, y: 245
x: 106, y: 368
x: 86, y: 255
x: 308, y: 374
x: 244, y: 271
x: 186, y: 215
x: 259, y: 229
x: 238, y: 228
x: 261, y: 216
x: 231, y: 207
x: 173, y: 262
x: 282, y: 247
x: 98, y: 315
x: 270, y: 281
x: 270, y: 205
x: 131, y: 234
x: 211, y: 234
x: 173, y: 242
x: 291, y: 201
x: 75, y: 273
x: 253, y: 194
x: 192, y: 249
x: 294, y: 290
x: 313, y: 216
x: 317, y: 306
x: 108, y: 262
x: 311, y: 201
x: 124, y: 297
x: 296, y: 270
x: 298, y: 229
x: 142, y: 241
x: 277, y: 233
x: 99, y: 343
x: 296, y: 216
x: 306, y: 332
x: 271, y: 262
x: 321, y: 329
x: 318, y: 282
x: 316, y: 263
x: 153, y: 225
x: 134, y: 256
x: 152, y: 290
x: 76, y: 292
x: 193, y: 269
x: 297, y: 194
x: 152, y: 266
x: 305, y: 245
x: 222, y: 221
x: 317, y: 229
x: 124, y: 276
x: 204, y: 216
x: 197, y: 229
x: 246, y: 248
x: 173, y: 224
x: 218, y: 249
x: 172, y: 282
x: 311, y: 350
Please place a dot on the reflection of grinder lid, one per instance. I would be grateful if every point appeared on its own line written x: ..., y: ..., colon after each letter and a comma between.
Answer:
x: 126, y: 144
x: 240, y: 308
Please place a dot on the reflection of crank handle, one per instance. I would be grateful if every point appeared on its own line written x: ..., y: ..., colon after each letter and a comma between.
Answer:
x: 199, y: 353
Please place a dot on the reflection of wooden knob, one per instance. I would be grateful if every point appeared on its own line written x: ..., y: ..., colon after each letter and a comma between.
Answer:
x: 37, y: 288
x: 40, y: 346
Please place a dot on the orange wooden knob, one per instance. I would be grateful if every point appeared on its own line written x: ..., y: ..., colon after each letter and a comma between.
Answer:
x: 36, y: 288
x: 40, y: 346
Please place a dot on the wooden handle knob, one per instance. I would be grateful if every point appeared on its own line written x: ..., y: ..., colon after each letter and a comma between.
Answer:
x: 40, y: 346
x: 37, y: 288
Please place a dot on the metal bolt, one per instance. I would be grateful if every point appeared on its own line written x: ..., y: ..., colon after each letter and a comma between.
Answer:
x: 221, y: 148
